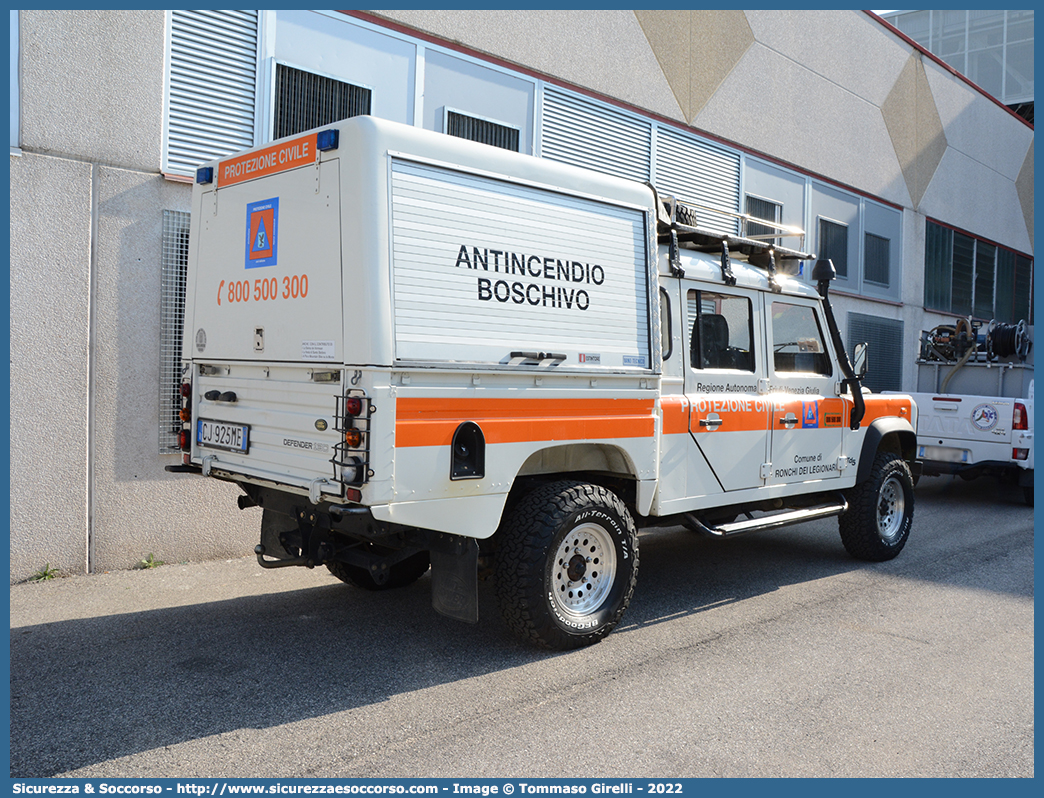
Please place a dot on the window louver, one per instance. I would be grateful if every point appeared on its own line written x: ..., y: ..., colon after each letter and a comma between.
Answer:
x: 481, y: 130
x: 583, y: 133
x: 213, y: 86
x: 305, y: 101
x: 885, y: 337
x: 702, y: 174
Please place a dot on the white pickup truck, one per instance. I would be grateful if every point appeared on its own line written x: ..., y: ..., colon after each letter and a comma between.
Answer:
x: 975, y: 402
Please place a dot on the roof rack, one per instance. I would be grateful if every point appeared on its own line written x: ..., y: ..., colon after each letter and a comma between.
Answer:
x: 678, y: 223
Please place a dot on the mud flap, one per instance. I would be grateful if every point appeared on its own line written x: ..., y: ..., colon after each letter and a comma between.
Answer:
x: 454, y: 577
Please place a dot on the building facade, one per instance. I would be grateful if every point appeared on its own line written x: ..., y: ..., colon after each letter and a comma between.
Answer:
x: 917, y: 184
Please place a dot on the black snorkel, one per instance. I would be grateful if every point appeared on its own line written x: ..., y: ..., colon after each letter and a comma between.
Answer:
x: 823, y: 272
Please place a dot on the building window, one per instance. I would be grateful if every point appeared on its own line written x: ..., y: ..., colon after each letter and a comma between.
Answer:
x: 762, y: 209
x: 962, y: 280
x: 212, y: 81
x: 1022, y: 298
x: 1014, y: 287
x: 484, y: 131
x: 833, y: 245
x: 876, y: 260
x: 885, y: 337
x: 994, y: 48
x: 969, y: 277
x: 305, y: 100
x: 938, y: 266
x: 173, y: 268
x: 985, y: 267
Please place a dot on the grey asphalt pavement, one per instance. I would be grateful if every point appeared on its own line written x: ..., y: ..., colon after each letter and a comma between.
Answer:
x: 773, y: 654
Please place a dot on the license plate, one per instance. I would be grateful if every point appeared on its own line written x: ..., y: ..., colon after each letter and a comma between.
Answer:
x: 222, y: 435
x: 943, y: 454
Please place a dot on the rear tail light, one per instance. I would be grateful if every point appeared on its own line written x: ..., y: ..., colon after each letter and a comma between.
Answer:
x: 352, y: 458
x: 353, y: 405
x: 184, y: 438
x: 1021, y: 419
x: 1020, y: 454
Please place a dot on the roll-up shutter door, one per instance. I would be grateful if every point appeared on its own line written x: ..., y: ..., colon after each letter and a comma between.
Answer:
x: 700, y: 173
x: 584, y: 133
x: 213, y: 86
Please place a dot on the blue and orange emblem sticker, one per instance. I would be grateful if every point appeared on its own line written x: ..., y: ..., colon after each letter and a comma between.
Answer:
x: 262, y: 236
x: 809, y: 415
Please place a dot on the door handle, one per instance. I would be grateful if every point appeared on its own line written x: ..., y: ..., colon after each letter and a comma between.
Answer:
x: 788, y: 419
x: 711, y: 422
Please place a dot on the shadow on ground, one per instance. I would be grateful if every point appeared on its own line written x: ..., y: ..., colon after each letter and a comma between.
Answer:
x: 90, y: 690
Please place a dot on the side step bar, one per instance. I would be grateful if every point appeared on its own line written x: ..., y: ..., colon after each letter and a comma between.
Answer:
x: 772, y: 521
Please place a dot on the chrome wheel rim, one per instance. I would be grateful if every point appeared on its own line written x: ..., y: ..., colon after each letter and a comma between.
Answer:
x: 583, y: 570
x: 891, y: 508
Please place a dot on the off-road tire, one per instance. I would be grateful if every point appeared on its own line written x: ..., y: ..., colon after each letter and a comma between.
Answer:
x: 403, y: 573
x: 566, y: 565
x: 880, y: 511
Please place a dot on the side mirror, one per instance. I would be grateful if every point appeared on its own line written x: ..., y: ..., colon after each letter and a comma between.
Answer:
x: 861, y: 359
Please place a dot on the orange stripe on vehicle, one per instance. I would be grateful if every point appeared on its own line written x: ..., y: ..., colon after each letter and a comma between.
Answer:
x: 828, y: 413
x: 432, y: 421
x: 675, y: 411
x: 731, y: 420
x: 880, y: 406
x: 741, y: 413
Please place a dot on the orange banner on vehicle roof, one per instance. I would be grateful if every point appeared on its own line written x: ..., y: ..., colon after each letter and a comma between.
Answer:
x: 269, y: 161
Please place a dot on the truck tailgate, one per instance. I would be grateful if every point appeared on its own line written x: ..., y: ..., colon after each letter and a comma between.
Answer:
x: 280, y: 427
x: 964, y: 429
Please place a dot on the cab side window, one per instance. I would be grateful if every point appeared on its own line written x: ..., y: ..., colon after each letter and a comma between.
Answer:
x: 722, y: 331
x: 797, y: 341
x: 666, y: 333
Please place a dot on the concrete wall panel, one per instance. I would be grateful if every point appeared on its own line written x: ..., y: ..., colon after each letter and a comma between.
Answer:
x: 851, y: 50
x: 696, y: 50
x: 138, y: 507
x: 990, y: 204
x: 1024, y: 185
x: 92, y: 85
x: 605, y: 51
x: 50, y: 321
x: 914, y: 127
x: 978, y: 128
x: 774, y: 105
